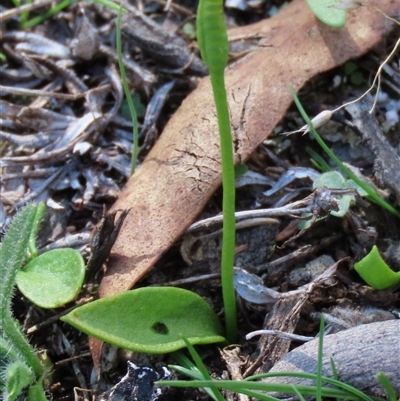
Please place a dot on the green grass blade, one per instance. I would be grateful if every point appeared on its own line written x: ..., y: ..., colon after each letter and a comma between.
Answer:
x: 318, y: 161
x: 319, y: 358
x: 43, y: 17
x: 334, y: 370
x: 243, y: 386
x: 301, y: 398
x: 202, y: 369
x: 128, y: 96
x: 350, y: 391
x: 25, y: 16
x: 391, y: 392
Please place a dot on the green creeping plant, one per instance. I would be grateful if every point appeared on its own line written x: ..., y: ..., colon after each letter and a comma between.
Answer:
x: 214, y: 48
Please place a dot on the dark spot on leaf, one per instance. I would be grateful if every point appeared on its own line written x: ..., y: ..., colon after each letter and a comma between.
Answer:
x: 160, y: 328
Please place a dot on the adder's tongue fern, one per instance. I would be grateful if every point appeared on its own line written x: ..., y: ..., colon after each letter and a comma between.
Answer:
x: 214, y: 48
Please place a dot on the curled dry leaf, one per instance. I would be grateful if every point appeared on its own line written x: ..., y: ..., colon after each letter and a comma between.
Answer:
x: 182, y: 170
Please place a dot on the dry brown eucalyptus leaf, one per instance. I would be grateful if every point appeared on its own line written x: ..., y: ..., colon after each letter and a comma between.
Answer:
x: 182, y: 170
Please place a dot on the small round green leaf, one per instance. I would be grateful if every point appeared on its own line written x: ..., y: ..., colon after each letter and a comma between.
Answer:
x: 326, y: 12
x: 53, y: 278
x: 376, y: 273
x: 334, y: 180
x: 150, y: 320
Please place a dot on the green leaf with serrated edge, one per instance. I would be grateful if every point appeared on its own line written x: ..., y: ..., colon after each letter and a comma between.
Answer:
x: 13, y: 254
x: 17, y: 377
x: 375, y: 272
x: 7, y: 353
x: 150, y: 320
x: 53, y: 278
x: 14, y: 249
x: 324, y: 10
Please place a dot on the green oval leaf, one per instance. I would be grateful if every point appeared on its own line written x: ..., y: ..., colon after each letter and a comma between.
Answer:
x: 150, y: 320
x: 324, y: 10
x: 375, y: 272
x: 53, y: 278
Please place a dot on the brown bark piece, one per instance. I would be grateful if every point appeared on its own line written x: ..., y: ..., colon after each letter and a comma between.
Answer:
x: 182, y: 170
x: 359, y: 354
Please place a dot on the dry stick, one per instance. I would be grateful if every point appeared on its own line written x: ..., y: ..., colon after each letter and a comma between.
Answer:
x: 294, y: 209
x: 37, y: 92
x: 280, y: 334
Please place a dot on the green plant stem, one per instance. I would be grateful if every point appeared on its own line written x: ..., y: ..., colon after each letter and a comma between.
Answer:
x: 214, y: 48
x: 371, y: 193
x: 13, y: 333
x: 127, y: 94
x: 228, y: 206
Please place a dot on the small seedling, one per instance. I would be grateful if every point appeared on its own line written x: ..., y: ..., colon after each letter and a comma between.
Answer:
x: 333, y: 179
x: 50, y: 280
x: 376, y: 273
x: 355, y: 75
